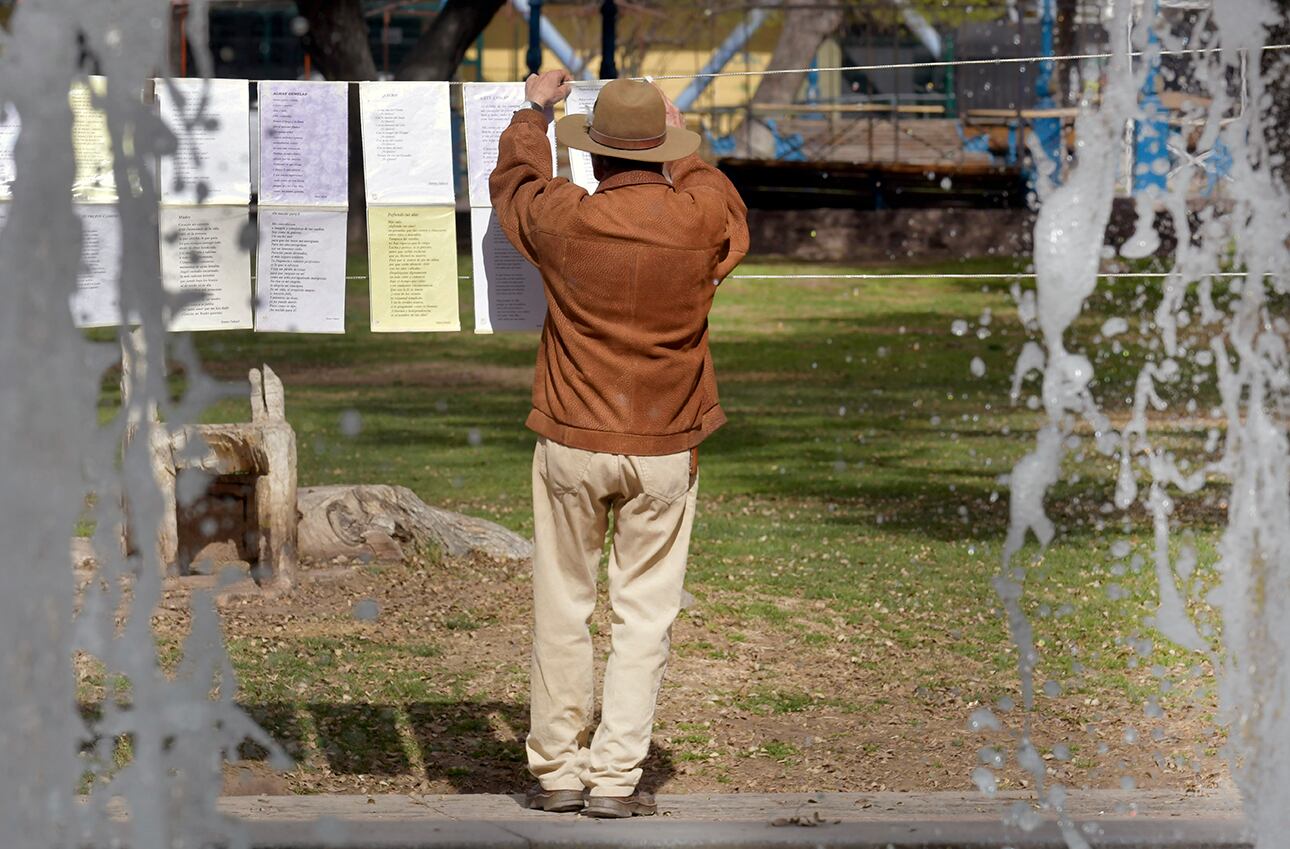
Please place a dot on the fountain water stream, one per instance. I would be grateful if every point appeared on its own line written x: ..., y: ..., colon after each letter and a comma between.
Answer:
x: 176, y: 727
x: 1245, y: 332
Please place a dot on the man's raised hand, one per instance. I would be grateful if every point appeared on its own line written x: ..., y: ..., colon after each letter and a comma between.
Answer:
x: 548, y: 88
x: 675, y: 118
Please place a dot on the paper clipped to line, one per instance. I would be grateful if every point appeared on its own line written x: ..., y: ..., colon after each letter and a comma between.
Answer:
x: 91, y: 142
x: 488, y: 109
x: 300, y: 270
x: 508, y: 288
x: 10, y: 127
x: 412, y: 273
x: 210, y: 120
x: 97, y: 299
x: 581, y: 100
x: 203, y: 259
x: 407, y: 142
x: 304, y: 143
x: 96, y: 302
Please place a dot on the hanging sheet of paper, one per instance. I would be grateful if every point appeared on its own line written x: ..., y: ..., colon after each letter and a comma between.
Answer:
x: 508, y: 288
x: 304, y: 195
x: 202, y: 257
x: 489, y: 108
x: 413, y: 269
x: 97, y: 299
x: 581, y: 100
x: 304, y: 143
x: 300, y: 270
x: 91, y: 143
x: 407, y: 142
x: 10, y: 126
x: 210, y: 120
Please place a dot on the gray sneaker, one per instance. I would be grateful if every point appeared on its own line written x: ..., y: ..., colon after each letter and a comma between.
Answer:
x: 620, y: 807
x: 556, y: 801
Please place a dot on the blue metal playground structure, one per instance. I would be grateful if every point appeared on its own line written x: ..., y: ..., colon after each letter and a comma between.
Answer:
x: 1030, y: 137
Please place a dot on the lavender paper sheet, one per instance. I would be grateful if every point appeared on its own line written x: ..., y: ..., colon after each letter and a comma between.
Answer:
x: 304, y: 143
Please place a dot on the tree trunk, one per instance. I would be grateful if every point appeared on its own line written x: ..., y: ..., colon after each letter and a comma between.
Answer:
x: 439, y: 51
x: 382, y: 522
x: 803, y: 31
x: 337, y: 39
x: 338, y: 44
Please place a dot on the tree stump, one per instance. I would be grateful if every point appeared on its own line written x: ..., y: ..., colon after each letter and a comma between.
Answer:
x: 381, y: 522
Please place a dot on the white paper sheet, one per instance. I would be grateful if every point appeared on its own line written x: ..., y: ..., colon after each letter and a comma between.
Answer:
x: 581, y: 100
x: 304, y: 143
x: 97, y: 299
x: 202, y: 254
x: 300, y: 270
x: 407, y: 142
x: 488, y: 111
x: 10, y: 126
x: 209, y: 119
x: 508, y: 288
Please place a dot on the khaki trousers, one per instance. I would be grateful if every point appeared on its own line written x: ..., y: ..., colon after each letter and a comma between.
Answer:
x: 652, y: 500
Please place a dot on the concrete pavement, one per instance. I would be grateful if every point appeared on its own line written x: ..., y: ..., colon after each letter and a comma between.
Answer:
x: 747, y: 821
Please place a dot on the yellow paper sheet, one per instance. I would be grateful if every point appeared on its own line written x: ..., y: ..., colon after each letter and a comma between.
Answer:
x: 91, y: 143
x: 412, y: 268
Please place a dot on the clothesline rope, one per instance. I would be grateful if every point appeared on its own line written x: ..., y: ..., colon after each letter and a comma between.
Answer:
x: 951, y: 63
x: 1108, y: 275
x: 940, y: 63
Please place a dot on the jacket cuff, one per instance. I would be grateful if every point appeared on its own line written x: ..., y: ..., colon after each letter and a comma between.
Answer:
x: 529, y: 115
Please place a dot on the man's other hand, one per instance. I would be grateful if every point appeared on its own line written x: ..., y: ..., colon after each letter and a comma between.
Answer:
x: 549, y: 88
x: 675, y: 118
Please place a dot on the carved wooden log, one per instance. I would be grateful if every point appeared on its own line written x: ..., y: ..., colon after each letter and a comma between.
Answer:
x: 221, y: 449
x: 392, y: 523
x: 262, y: 450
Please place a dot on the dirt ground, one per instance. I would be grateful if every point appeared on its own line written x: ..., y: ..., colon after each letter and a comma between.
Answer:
x: 430, y: 696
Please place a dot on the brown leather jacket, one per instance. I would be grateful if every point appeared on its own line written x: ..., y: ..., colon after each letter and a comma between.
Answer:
x: 630, y: 274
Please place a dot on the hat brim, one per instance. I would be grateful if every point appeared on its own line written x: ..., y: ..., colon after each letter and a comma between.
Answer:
x: 571, y: 131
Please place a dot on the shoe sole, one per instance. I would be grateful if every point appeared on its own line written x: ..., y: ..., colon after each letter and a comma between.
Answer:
x: 608, y: 808
x: 558, y: 802
x: 563, y: 808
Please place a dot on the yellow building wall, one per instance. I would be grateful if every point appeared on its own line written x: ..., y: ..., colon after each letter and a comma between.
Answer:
x: 506, y: 45
x: 501, y: 65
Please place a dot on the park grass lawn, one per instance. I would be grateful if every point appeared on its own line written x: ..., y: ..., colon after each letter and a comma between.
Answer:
x: 851, y: 520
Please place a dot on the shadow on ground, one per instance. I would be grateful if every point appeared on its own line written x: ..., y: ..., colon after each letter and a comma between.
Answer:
x: 475, y: 747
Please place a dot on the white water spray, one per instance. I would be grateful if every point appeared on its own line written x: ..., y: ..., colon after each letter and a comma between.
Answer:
x: 177, y: 727
x: 1246, y: 351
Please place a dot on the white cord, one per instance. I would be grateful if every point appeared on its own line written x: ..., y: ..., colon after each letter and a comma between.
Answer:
x: 1109, y: 275
x: 951, y: 63
x: 946, y: 63
x: 1021, y: 275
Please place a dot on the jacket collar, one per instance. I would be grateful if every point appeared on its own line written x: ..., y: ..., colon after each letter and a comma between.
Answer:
x: 631, y: 178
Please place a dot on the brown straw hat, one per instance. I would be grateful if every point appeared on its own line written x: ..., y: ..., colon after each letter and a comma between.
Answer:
x: 629, y: 121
